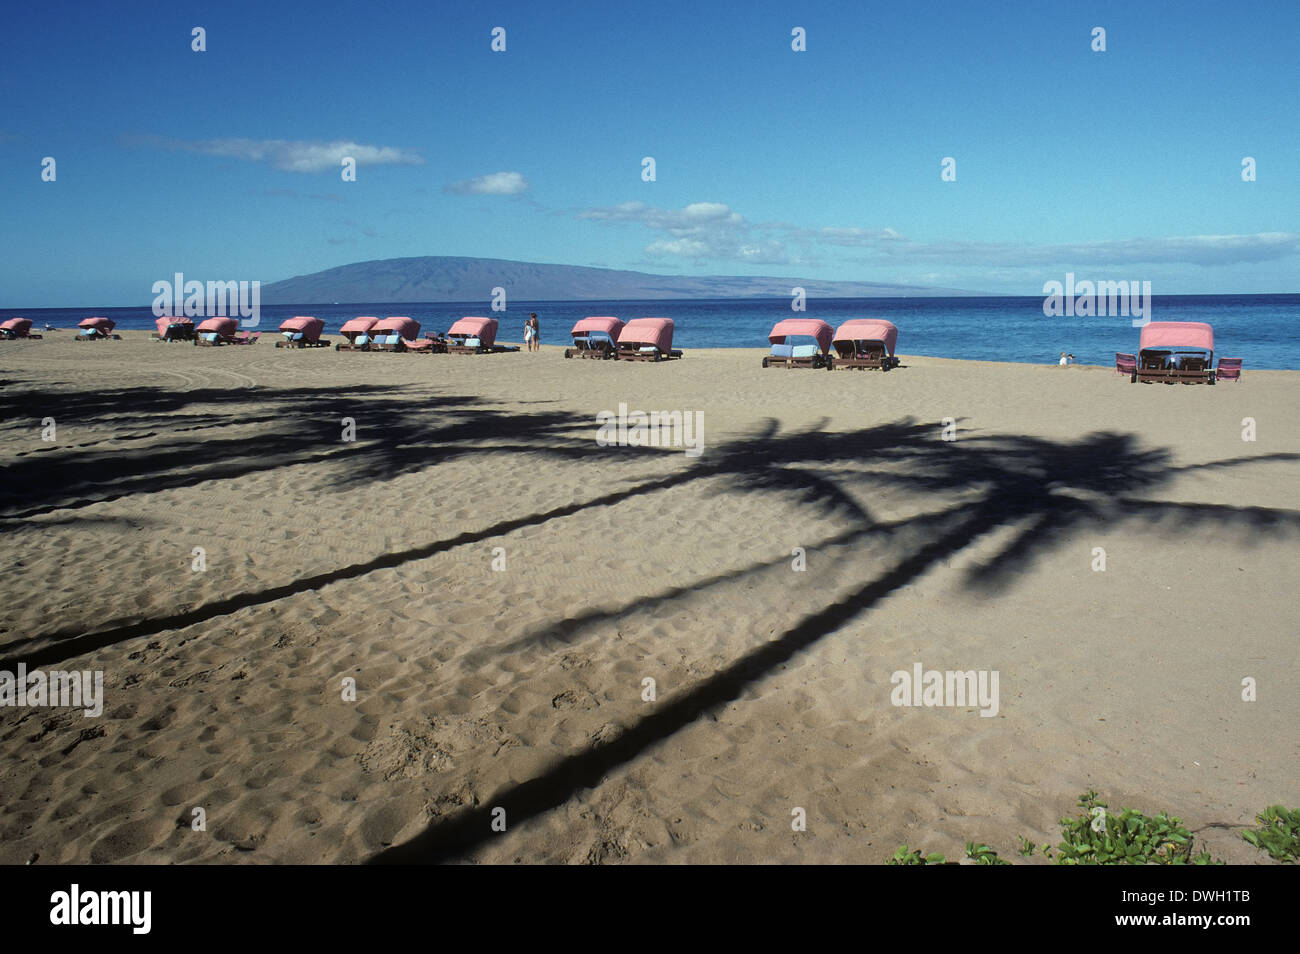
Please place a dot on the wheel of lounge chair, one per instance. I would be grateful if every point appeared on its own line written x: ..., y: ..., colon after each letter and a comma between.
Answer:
x: 765, y: 362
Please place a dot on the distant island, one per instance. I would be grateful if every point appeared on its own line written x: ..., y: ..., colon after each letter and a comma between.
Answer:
x: 455, y: 278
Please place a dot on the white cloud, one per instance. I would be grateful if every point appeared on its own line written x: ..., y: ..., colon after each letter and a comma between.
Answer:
x: 496, y: 183
x: 287, y: 154
x: 713, y: 231
x: 701, y: 231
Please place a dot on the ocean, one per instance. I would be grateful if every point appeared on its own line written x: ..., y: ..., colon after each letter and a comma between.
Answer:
x: 1264, y: 330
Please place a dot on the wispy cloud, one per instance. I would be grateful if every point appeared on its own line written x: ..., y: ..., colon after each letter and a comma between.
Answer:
x: 1204, y: 250
x: 701, y: 231
x: 286, y: 154
x: 712, y: 231
x: 496, y: 183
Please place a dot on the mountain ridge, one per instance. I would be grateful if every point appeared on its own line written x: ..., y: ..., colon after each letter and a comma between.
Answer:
x: 463, y: 278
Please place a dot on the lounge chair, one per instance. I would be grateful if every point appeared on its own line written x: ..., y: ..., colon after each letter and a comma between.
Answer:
x: 16, y: 328
x: 865, y: 343
x: 473, y: 335
x: 244, y: 338
x: 174, y: 328
x: 1229, y: 369
x: 799, y: 343
x: 1125, y: 363
x: 213, y: 332
x: 647, y: 339
x: 96, y: 329
x: 398, y: 333
x: 595, y: 338
x: 302, y: 331
x: 356, y: 332
x: 1175, y: 352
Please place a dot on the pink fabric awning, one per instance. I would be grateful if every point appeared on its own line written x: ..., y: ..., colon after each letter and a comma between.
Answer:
x: 166, y: 321
x: 102, y: 324
x: 1176, y: 334
x: 308, y: 326
x: 358, y: 325
x: 802, y: 327
x: 484, y: 329
x: 610, y: 326
x: 405, y: 327
x: 656, y: 332
x: 19, y: 326
x: 869, y: 329
x: 222, y: 326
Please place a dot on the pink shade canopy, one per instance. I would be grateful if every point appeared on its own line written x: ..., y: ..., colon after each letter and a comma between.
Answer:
x: 869, y: 329
x: 1176, y: 334
x: 405, y: 327
x: 166, y: 321
x: 222, y: 326
x: 484, y: 329
x: 610, y: 326
x: 358, y: 325
x: 18, y: 325
x: 802, y: 327
x: 310, y: 327
x: 103, y: 324
x: 648, y: 331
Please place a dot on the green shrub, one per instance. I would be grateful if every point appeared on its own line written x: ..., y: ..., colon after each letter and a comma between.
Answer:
x: 1278, y: 833
x: 1098, y: 837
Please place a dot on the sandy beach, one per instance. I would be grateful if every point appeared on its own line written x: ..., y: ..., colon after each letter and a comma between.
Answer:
x: 500, y: 587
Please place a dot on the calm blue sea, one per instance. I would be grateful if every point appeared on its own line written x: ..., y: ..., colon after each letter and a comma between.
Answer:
x: 1262, y: 329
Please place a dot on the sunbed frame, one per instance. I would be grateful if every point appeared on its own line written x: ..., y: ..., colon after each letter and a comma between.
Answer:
x: 812, y: 361
x: 603, y: 352
x: 632, y: 353
x: 1151, y: 372
x: 869, y: 358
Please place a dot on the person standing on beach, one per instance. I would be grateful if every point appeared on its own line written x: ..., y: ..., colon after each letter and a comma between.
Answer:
x: 537, y: 331
x: 528, y: 334
x: 1063, y: 362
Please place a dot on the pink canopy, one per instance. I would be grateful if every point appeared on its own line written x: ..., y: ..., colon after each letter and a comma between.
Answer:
x: 802, y: 327
x: 484, y: 329
x: 19, y: 326
x: 358, y: 326
x: 1176, y: 334
x: 222, y: 326
x: 406, y: 328
x: 167, y: 321
x: 648, y: 331
x: 101, y: 324
x: 869, y: 329
x: 310, y: 327
x: 610, y: 326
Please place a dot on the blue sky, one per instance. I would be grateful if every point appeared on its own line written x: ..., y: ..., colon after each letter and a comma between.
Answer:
x: 225, y: 164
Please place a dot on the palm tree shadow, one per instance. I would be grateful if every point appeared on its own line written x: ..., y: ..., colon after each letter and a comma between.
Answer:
x: 1043, y: 487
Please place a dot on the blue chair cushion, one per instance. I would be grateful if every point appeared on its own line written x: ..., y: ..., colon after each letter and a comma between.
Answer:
x: 782, y: 351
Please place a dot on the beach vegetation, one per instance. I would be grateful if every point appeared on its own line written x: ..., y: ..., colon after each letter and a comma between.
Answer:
x: 1278, y: 834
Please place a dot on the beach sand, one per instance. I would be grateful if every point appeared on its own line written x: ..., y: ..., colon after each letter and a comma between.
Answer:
x: 524, y: 688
